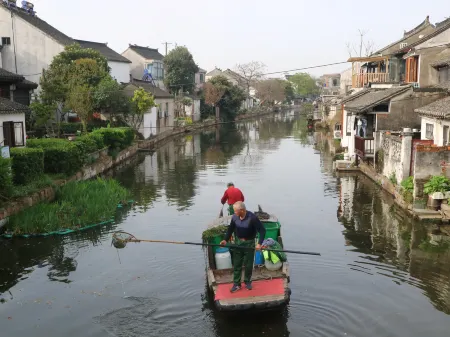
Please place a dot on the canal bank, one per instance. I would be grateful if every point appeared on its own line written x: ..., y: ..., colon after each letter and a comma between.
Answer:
x: 375, y: 272
x: 106, y: 162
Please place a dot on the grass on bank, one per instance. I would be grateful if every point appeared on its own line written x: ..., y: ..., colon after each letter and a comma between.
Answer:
x: 77, y: 204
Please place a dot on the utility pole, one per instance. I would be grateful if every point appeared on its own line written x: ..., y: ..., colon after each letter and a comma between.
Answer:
x: 166, y: 43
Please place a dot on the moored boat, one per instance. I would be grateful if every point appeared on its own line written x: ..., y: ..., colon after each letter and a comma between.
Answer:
x: 270, y: 281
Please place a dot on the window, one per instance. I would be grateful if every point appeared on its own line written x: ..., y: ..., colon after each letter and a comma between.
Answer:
x: 444, y: 75
x: 6, y: 41
x: 412, y: 69
x: 156, y: 69
x: 13, y: 134
x: 429, y: 131
x: 202, y: 78
x: 166, y: 112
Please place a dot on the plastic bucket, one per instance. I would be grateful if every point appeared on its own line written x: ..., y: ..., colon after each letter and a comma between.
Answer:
x: 259, y: 258
x: 216, y: 240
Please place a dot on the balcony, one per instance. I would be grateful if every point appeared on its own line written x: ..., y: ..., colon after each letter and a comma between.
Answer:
x: 360, y: 80
x: 364, y: 147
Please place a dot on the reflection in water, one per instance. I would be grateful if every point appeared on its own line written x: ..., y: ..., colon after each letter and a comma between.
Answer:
x: 379, y: 275
x: 396, y: 246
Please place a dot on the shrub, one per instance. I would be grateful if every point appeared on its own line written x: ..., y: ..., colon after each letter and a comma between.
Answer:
x: 89, y: 144
x: 60, y: 155
x: 116, y: 138
x: 46, y: 142
x: 437, y: 184
x: 98, y: 139
x: 6, y: 185
x: 408, y: 184
x: 27, y: 164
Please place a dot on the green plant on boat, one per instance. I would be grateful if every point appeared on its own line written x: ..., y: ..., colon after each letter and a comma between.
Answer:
x: 77, y: 204
x: 210, y: 233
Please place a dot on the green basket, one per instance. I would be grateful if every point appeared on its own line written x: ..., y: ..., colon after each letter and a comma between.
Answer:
x: 216, y: 240
x: 272, y: 230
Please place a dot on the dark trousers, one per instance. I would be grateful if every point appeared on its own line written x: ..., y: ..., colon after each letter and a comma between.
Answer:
x: 243, y: 257
x: 230, y: 210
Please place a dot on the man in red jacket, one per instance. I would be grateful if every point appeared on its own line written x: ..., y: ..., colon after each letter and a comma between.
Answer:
x: 232, y: 194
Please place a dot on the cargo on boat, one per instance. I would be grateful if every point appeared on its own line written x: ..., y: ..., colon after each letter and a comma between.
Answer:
x: 270, y: 281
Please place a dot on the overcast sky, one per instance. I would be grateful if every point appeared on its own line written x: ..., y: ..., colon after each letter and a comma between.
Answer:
x: 283, y: 34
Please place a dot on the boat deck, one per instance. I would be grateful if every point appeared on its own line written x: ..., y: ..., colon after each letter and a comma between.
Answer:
x: 261, y: 290
x: 259, y: 273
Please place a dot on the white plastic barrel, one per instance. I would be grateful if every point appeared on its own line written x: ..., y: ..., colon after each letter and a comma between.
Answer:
x: 223, y: 258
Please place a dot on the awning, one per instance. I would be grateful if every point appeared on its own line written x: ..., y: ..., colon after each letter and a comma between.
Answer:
x: 368, y: 59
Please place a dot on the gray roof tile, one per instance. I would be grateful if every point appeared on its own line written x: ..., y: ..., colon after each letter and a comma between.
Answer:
x: 103, y: 49
x: 439, y: 109
x: 6, y: 75
x: 9, y: 107
x: 157, y: 92
x: 147, y: 53
x: 374, y: 97
x: 40, y: 24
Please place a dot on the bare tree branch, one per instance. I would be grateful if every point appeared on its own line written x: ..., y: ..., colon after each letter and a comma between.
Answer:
x: 250, y: 73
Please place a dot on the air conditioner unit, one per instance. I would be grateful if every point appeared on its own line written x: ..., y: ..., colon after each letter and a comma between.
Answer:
x: 337, y: 134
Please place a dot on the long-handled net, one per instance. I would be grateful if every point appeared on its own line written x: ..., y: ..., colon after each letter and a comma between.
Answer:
x: 120, y: 240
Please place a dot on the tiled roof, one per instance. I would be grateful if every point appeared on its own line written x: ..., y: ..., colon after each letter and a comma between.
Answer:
x: 18, y: 80
x: 440, y: 27
x: 6, y: 75
x: 103, y: 49
x: 441, y: 63
x: 214, y: 72
x: 426, y: 23
x: 374, y: 97
x: 439, y: 109
x: 157, y: 92
x: 147, y: 53
x: 9, y: 107
x: 354, y: 96
x: 27, y: 84
x: 40, y: 24
x: 200, y: 70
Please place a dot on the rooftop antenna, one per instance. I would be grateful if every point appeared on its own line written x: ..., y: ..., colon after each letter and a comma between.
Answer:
x: 166, y: 43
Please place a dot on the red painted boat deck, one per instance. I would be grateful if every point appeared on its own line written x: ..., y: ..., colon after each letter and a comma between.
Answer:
x: 260, y: 288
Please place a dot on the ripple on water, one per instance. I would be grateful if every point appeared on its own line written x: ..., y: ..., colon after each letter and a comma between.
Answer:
x: 149, y: 317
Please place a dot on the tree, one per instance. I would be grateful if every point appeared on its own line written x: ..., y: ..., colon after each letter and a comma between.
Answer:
x: 213, y: 93
x: 108, y: 97
x: 231, y: 99
x: 270, y: 90
x: 41, y: 115
x: 56, y: 81
x: 180, y: 70
x: 250, y: 73
x: 142, y: 101
x: 368, y: 45
x: 289, y: 92
x: 304, y: 84
x: 80, y: 101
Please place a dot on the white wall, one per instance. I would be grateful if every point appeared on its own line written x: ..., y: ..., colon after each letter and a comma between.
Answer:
x: 346, y: 80
x: 137, y: 66
x: 438, y: 130
x: 149, y: 126
x: 120, y: 71
x: 12, y: 118
x: 194, y: 110
x: 34, y: 49
x: 438, y: 40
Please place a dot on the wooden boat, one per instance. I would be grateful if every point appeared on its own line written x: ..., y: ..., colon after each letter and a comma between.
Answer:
x: 270, y: 287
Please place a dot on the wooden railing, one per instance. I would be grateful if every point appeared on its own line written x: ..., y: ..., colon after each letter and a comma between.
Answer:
x: 359, y: 80
x: 364, y: 147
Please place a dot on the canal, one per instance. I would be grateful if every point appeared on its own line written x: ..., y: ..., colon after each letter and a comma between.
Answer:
x: 380, y: 273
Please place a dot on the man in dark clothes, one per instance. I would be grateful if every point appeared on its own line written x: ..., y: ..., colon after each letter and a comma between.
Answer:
x: 244, y: 224
x: 232, y: 194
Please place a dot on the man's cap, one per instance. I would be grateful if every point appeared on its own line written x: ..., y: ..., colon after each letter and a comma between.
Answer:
x: 230, y: 184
